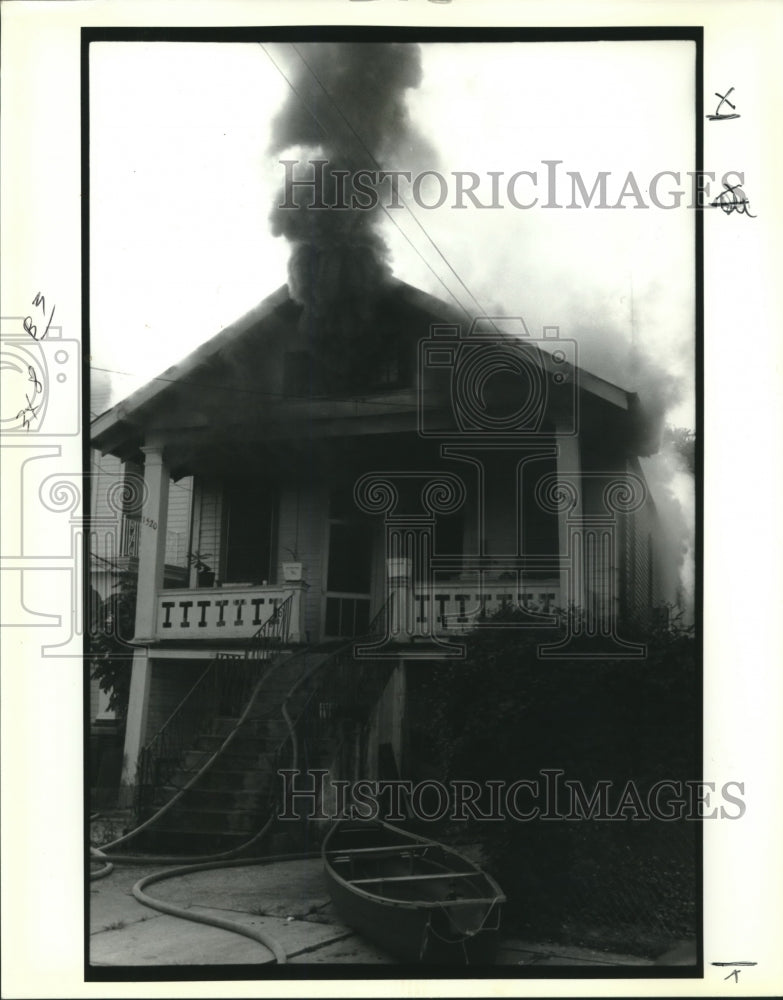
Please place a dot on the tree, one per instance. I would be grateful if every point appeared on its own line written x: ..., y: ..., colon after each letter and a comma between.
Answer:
x: 110, y: 652
x: 683, y: 440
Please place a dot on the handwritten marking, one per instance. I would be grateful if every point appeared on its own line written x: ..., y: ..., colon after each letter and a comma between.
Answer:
x: 735, y: 201
x: 31, y: 377
x: 21, y: 415
x: 719, y: 116
x: 29, y: 326
x: 736, y: 968
x: 37, y: 387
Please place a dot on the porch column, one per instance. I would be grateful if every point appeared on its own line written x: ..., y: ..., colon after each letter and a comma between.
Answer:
x: 152, y: 544
x: 569, y: 471
x: 296, y: 630
x: 135, y: 722
x: 152, y: 553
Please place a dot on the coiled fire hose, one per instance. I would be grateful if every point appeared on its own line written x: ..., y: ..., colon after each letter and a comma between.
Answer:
x: 208, y: 862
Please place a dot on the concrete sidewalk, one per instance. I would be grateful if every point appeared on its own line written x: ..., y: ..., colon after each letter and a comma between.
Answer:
x: 287, y: 900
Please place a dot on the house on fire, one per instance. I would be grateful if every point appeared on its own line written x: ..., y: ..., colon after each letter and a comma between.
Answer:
x: 393, y: 477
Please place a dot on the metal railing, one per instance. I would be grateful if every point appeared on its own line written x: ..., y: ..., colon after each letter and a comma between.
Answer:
x: 222, y: 689
x: 130, y: 534
x: 275, y: 632
x: 331, y: 698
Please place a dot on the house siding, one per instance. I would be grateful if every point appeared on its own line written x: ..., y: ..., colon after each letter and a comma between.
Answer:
x: 178, y: 522
x: 208, y: 537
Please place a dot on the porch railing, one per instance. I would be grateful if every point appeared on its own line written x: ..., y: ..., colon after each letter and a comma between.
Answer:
x: 230, y: 612
x: 224, y: 688
x: 460, y: 607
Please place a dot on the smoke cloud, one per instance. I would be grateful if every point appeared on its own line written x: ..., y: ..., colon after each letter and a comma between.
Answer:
x: 346, y: 105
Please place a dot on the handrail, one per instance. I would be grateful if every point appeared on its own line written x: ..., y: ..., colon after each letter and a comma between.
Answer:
x: 180, y: 706
x: 229, y: 679
x: 338, y: 658
x: 276, y: 628
x: 335, y: 660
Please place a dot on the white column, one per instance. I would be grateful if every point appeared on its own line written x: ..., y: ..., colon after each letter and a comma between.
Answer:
x: 296, y: 630
x: 136, y: 722
x: 152, y: 545
x: 152, y: 553
x: 569, y: 469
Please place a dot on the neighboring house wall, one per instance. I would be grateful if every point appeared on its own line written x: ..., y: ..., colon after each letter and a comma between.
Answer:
x: 114, y: 549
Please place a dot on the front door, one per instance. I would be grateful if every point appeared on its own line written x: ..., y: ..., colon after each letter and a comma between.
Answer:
x: 349, y: 570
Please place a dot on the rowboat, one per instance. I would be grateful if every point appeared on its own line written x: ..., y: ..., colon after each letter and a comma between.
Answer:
x: 419, y: 900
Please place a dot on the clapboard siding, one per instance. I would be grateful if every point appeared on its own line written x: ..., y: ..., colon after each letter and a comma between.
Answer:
x: 208, y: 537
x: 178, y: 522
x: 107, y: 472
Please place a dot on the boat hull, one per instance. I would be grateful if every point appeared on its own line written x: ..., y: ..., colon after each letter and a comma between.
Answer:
x: 416, y: 899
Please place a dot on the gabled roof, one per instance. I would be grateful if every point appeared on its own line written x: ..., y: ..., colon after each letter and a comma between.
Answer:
x: 216, y: 381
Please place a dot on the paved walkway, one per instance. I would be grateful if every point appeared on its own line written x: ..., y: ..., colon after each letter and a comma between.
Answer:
x: 288, y: 901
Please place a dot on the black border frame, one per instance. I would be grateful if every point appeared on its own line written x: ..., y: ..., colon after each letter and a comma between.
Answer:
x: 389, y: 33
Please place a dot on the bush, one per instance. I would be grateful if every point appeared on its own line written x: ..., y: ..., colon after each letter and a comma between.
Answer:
x: 110, y: 655
x: 505, y: 714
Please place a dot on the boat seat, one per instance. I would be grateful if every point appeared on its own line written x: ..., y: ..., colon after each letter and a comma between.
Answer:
x: 416, y: 878
x: 389, y: 848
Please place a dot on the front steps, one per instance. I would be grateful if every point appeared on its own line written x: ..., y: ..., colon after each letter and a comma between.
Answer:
x: 236, y: 796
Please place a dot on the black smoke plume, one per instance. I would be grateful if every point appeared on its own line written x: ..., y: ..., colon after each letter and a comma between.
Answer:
x: 346, y: 105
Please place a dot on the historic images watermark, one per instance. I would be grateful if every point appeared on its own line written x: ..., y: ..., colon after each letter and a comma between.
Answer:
x: 317, y: 185
x: 548, y: 796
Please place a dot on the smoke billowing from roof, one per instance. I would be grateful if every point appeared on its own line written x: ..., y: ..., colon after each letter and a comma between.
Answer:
x: 346, y: 105
x: 365, y: 83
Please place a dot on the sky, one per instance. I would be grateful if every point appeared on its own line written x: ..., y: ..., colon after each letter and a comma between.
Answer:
x: 182, y: 182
